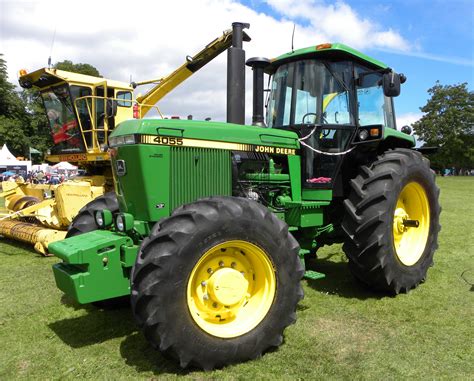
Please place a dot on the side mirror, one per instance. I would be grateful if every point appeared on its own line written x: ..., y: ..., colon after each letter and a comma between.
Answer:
x: 391, y: 84
x: 406, y: 130
x: 111, y: 108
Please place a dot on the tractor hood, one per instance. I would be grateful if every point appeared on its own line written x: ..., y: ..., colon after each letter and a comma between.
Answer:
x: 204, y: 134
x: 160, y: 164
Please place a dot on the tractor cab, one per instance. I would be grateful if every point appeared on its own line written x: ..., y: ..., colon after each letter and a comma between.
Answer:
x: 333, y: 97
x: 81, y: 111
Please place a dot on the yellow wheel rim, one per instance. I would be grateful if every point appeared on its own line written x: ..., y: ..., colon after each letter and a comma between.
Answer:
x: 411, y: 223
x: 231, y: 289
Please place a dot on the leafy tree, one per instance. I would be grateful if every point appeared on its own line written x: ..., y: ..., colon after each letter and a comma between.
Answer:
x: 448, y: 123
x: 10, y: 104
x: 14, y: 120
x: 81, y: 68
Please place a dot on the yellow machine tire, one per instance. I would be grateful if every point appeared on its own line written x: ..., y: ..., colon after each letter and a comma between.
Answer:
x: 22, y: 202
x: 237, y: 238
x: 85, y: 220
x: 387, y: 196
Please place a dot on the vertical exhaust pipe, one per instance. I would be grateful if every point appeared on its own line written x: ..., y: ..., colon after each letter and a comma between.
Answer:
x: 236, y: 75
x: 258, y: 65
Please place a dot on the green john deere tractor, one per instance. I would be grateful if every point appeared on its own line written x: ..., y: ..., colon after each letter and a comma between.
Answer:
x: 215, y: 219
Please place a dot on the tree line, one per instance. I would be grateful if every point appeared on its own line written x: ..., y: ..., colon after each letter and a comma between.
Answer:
x: 447, y: 122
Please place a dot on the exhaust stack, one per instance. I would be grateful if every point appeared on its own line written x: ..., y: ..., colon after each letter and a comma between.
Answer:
x: 236, y: 75
x: 258, y: 64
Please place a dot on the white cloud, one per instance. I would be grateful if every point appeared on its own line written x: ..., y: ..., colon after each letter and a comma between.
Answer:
x: 408, y: 119
x: 339, y: 22
x: 149, y: 39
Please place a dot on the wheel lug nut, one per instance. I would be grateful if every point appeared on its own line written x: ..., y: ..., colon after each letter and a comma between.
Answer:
x: 233, y: 265
x: 205, y: 297
x: 209, y: 271
x: 203, y: 283
x: 221, y: 264
x: 214, y: 305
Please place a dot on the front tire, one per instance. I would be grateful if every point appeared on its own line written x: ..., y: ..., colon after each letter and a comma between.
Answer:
x: 392, y: 221
x: 217, y: 282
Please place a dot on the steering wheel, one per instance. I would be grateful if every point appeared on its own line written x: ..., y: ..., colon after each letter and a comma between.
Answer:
x: 309, y: 114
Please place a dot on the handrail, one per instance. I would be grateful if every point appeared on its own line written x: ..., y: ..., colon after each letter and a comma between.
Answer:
x: 92, y: 117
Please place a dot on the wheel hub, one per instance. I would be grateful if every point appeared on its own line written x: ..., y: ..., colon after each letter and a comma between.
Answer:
x: 411, y: 223
x: 398, y: 221
x: 231, y: 288
x: 227, y: 286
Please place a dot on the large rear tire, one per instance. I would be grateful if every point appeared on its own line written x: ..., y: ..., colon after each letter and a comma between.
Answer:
x: 392, y: 221
x: 217, y: 282
x: 85, y: 220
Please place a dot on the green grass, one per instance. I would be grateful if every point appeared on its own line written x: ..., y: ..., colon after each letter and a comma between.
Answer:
x: 343, y: 331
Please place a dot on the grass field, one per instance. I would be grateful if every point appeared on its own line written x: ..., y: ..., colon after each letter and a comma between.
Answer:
x: 343, y: 331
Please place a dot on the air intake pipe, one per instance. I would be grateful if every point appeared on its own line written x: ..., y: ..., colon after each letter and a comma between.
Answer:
x: 258, y: 64
x: 236, y: 75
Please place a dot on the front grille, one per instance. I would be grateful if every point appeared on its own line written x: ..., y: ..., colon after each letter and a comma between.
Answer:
x: 198, y: 172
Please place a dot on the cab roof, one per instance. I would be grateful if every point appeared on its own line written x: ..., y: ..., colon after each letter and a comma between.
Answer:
x: 330, y: 50
x: 46, y: 77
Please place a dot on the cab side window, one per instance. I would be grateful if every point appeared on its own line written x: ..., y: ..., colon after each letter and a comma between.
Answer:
x: 374, y: 106
x: 124, y: 99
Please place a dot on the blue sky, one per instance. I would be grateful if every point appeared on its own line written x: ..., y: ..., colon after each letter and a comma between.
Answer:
x: 442, y: 34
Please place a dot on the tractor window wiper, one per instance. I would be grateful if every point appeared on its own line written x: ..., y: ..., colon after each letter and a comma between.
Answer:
x: 335, y: 76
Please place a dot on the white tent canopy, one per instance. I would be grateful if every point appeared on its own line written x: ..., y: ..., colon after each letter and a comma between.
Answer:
x: 5, y: 154
x: 8, y: 162
x: 65, y: 166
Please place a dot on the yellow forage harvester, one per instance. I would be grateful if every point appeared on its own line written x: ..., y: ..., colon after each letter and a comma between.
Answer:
x: 82, y: 110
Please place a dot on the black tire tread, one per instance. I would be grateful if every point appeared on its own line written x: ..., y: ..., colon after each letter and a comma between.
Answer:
x: 368, y: 221
x: 160, y: 252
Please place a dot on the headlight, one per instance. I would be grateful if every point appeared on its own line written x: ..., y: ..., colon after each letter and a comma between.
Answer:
x: 103, y: 218
x: 124, y: 222
x: 99, y: 219
x: 116, y: 141
x: 363, y: 134
x: 129, y: 139
x: 120, y: 223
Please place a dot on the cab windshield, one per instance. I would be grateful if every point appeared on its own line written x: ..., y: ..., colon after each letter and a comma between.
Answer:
x: 62, y: 120
x: 315, y: 99
x: 320, y: 101
x: 310, y: 92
